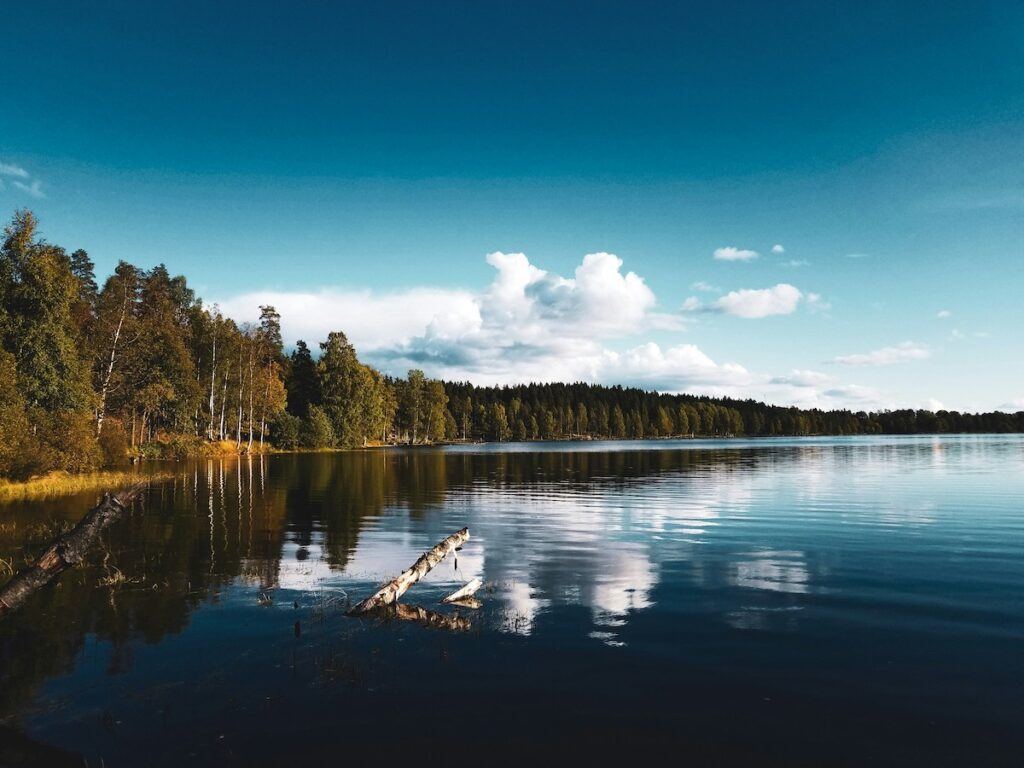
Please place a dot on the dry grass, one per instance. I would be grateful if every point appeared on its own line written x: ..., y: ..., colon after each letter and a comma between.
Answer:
x: 63, y: 484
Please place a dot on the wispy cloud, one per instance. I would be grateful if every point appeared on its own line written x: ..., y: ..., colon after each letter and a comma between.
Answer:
x: 730, y: 253
x: 700, y: 285
x: 1013, y: 406
x: 942, y: 314
x: 778, y: 248
x: 900, y: 353
x: 796, y: 263
x: 752, y: 304
x: 8, y: 169
x: 21, y: 179
x: 857, y: 256
x: 804, y: 378
x: 34, y: 187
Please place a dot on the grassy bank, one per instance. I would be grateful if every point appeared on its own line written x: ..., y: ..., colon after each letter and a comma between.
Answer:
x: 63, y: 484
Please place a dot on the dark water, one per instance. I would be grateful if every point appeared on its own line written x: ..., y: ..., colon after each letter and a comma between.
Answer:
x: 801, y: 602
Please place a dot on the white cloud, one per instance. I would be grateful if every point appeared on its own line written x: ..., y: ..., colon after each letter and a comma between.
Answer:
x: 804, y: 378
x: 692, y: 304
x: 777, y: 248
x: 753, y: 304
x: 8, y: 169
x: 21, y: 179
x: 933, y: 405
x: 34, y: 187
x: 1014, y: 406
x: 816, y: 303
x: 796, y: 263
x: 729, y: 253
x: 857, y: 256
x: 900, y: 353
x: 942, y: 314
x: 700, y: 285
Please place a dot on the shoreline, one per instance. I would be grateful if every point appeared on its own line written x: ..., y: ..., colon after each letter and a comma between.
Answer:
x: 61, y: 483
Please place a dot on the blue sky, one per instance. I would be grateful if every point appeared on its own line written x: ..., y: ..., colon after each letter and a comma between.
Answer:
x: 356, y: 164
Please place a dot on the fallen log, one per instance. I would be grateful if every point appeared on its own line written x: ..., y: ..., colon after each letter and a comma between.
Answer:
x: 394, y: 589
x: 467, y: 591
x: 66, y: 550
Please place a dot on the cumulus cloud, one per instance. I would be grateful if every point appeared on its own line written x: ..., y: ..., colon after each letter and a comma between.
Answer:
x: 777, y: 248
x: 765, y: 302
x: 21, y: 179
x: 1013, y: 406
x: 900, y: 353
x: 730, y: 253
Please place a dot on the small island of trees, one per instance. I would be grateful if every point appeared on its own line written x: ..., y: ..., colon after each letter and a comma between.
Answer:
x: 91, y: 374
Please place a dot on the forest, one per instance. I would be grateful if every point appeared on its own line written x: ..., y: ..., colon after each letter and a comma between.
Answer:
x: 138, y: 366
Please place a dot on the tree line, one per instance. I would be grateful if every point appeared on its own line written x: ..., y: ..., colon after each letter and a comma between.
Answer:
x: 90, y: 374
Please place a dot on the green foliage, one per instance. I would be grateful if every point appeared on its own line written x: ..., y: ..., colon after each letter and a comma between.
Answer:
x: 14, y: 424
x: 287, y: 431
x: 319, y: 430
x: 38, y: 292
x: 303, y: 381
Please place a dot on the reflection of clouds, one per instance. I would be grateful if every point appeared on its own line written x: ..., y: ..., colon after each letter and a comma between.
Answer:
x: 625, y: 586
x: 775, y: 571
x: 520, y: 609
x: 304, y: 568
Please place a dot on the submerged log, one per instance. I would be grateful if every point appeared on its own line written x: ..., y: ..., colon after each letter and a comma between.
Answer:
x: 426, y: 617
x: 466, y: 592
x: 467, y: 602
x: 394, y: 589
x: 66, y: 550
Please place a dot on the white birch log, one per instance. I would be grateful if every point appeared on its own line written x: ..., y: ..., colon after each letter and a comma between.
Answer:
x: 394, y: 589
x: 467, y: 591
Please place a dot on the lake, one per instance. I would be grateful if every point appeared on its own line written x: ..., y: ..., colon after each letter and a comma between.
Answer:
x: 807, y: 601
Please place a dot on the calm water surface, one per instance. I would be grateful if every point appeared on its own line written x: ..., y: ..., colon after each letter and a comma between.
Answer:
x: 816, y: 601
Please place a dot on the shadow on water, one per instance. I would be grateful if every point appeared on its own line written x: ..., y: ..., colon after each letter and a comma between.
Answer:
x: 727, y: 597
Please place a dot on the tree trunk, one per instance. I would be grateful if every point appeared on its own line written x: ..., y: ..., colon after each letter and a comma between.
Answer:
x: 251, y: 388
x: 241, y: 392
x: 263, y: 407
x: 66, y: 551
x: 224, y: 403
x: 394, y: 589
x: 101, y: 411
x: 213, y: 380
